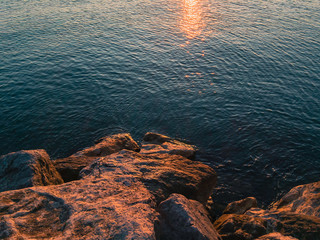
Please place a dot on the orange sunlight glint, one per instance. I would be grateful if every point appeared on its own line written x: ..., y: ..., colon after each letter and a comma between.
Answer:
x: 191, y: 22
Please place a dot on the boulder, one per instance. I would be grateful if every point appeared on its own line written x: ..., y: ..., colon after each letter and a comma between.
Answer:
x: 181, y: 218
x: 241, y: 206
x: 242, y: 227
x: 162, y: 174
x: 303, y: 199
x: 27, y: 168
x: 83, y: 209
x: 276, y: 236
x: 70, y: 167
x: 300, y: 226
x: 154, y: 143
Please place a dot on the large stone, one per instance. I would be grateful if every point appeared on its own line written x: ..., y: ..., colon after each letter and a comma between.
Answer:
x: 162, y: 174
x: 84, y: 209
x: 70, y: 167
x: 303, y: 199
x: 300, y: 226
x: 242, y: 227
x: 241, y: 206
x: 154, y: 143
x: 27, y: 168
x: 276, y: 236
x: 184, y: 219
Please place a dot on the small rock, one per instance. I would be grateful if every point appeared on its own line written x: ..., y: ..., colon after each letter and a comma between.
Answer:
x: 276, y: 236
x: 27, y: 168
x: 241, y: 206
x: 154, y: 143
x: 184, y: 219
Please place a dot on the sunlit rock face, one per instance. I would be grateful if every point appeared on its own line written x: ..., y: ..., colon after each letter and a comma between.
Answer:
x: 181, y: 218
x: 303, y: 199
x: 275, y: 236
x: 162, y: 174
x: 154, y: 143
x: 27, y: 168
x: 70, y: 167
x: 296, y: 215
x: 116, y: 197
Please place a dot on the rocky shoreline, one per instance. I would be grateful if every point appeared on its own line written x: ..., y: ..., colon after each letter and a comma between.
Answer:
x: 118, y: 189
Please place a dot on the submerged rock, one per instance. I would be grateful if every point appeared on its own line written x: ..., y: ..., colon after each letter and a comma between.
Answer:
x: 27, y: 168
x: 184, y: 219
x: 70, y: 167
x: 241, y: 206
x: 303, y: 199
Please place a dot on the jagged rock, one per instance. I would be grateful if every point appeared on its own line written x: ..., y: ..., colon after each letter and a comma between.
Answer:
x: 276, y: 236
x: 84, y: 209
x: 184, y: 219
x: 27, y: 168
x: 303, y: 199
x: 241, y: 206
x: 242, y: 227
x: 115, y: 198
x: 70, y: 167
x: 301, y: 226
x: 154, y: 143
x: 162, y: 174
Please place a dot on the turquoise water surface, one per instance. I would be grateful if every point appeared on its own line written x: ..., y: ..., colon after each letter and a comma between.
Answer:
x: 239, y: 79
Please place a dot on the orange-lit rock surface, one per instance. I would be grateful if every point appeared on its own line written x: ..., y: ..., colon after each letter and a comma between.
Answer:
x: 303, y: 199
x: 116, y: 197
x: 27, y: 168
x: 70, y: 167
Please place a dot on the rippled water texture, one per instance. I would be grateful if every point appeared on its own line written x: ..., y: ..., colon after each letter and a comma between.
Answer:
x: 239, y: 79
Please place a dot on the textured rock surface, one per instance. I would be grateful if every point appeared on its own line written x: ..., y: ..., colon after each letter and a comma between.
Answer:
x: 115, y: 198
x: 296, y: 225
x: 154, y: 143
x: 162, y: 174
x: 241, y: 206
x: 83, y: 209
x: 184, y: 219
x: 235, y: 226
x: 70, y: 167
x: 27, y: 168
x: 276, y: 236
x: 303, y: 199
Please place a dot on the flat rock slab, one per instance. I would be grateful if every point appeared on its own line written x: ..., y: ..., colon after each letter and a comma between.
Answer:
x: 27, y: 168
x: 162, y: 174
x: 276, y: 236
x: 83, y: 209
x: 181, y: 218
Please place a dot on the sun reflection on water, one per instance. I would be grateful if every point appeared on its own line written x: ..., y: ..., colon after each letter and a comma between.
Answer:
x: 192, y: 23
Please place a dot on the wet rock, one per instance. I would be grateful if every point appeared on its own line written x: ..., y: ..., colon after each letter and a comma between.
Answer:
x: 241, y: 206
x: 184, y: 219
x: 242, y: 227
x: 303, y: 199
x: 27, y: 168
x: 154, y: 143
x: 300, y: 226
x: 70, y: 167
x: 276, y: 236
x: 162, y: 174
x: 83, y: 209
